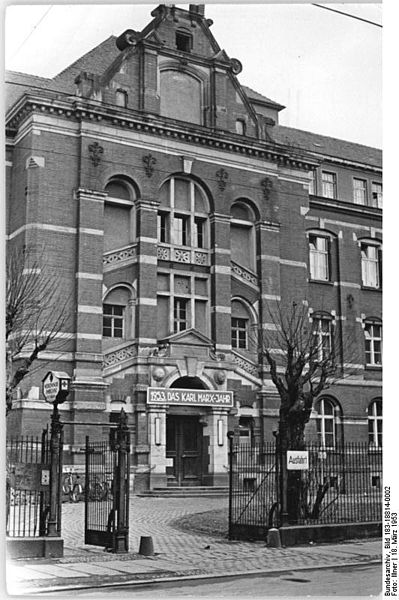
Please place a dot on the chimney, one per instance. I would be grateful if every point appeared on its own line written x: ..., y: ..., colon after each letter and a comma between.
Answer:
x: 198, y: 9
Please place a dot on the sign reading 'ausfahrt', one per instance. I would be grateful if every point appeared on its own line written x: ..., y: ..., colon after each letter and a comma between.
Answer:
x: 297, y: 460
x: 189, y: 397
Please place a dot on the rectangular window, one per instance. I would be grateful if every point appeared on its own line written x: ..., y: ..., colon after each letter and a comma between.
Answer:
x: 183, y: 41
x: 376, y: 194
x: 373, y: 343
x: 319, y: 257
x: 370, y: 257
x: 121, y: 98
x: 180, y: 314
x: 113, y: 320
x: 162, y: 223
x: 180, y: 230
x: 322, y: 339
x: 329, y: 184
x: 239, y: 333
x: 312, y: 182
x: 359, y: 191
x: 199, y: 233
x: 240, y: 126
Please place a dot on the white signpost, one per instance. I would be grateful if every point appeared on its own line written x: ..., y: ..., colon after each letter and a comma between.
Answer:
x: 55, y: 386
x: 297, y: 460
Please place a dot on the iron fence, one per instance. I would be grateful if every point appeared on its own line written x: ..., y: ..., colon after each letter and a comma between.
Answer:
x: 27, y: 486
x: 341, y: 485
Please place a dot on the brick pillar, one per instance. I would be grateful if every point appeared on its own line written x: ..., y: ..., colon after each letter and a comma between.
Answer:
x: 221, y: 282
x: 146, y: 306
x: 88, y: 385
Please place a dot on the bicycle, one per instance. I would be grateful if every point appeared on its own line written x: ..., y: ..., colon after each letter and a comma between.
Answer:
x: 72, y: 487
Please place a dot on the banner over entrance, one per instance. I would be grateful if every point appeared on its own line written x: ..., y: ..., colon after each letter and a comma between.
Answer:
x: 189, y: 397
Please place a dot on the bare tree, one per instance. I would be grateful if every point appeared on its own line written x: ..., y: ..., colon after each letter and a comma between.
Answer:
x: 305, y: 357
x: 35, y: 315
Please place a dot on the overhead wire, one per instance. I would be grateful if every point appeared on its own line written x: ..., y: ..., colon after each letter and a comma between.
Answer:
x: 32, y: 31
x: 340, y: 12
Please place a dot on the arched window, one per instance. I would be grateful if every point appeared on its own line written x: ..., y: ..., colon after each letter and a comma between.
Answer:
x: 329, y: 422
x: 119, y: 214
x: 183, y: 214
x: 181, y: 96
x: 375, y: 423
x: 242, y: 235
x: 118, y: 317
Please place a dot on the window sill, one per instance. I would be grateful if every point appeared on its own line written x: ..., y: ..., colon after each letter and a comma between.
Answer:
x: 369, y: 288
x: 322, y: 281
x: 373, y: 367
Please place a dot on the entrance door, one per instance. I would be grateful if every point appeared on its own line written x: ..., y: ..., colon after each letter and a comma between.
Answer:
x: 183, y: 449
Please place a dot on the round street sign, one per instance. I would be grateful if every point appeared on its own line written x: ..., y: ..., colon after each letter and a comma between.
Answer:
x: 51, y: 387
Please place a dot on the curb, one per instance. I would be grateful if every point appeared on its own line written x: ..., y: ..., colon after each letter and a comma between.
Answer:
x: 184, y: 578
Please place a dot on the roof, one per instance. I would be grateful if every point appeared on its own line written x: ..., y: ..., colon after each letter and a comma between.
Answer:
x: 327, y: 146
x: 95, y: 61
x: 18, y: 83
x: 252, y: 95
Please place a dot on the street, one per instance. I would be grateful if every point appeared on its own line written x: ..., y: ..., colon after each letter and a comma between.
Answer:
x: 361, y: 580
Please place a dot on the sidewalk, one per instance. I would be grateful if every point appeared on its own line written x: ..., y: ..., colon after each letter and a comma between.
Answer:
x: 178, y: 554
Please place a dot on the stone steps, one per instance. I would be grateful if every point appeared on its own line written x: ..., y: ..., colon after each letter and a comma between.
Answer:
x: 187, y: 492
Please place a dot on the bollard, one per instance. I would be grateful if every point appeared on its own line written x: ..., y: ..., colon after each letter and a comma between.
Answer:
x: 146, y: 546
x: 273, y: 538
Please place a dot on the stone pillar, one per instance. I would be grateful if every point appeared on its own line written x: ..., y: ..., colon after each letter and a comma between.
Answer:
x: 157, y: 444
x: 216, y: 428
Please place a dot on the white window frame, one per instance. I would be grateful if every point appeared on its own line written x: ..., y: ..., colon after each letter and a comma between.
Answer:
x: 113, y: 318
x: 190, y: 218
x: 370, y: 263
x: 191, y: 297
x: 376, y: 194
x: 371, y: 340
x: 322, y: 335
x: 322, y: 417
x: 360, y: 191
x: 329, y: 184
x: 319, y: 259
x: 235, y: 339
x: 374, y: 419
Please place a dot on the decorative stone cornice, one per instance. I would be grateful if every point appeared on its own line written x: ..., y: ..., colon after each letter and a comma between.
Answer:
x: 78, y: 110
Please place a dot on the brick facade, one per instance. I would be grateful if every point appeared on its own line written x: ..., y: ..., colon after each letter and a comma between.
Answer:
x: 68, y: 143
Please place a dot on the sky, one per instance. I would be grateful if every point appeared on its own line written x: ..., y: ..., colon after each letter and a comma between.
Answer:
x: 326, y: 68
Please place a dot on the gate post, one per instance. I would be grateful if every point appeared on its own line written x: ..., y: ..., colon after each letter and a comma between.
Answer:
x: 55, y: 473
x: 230, y: 435
x: 122, y: 446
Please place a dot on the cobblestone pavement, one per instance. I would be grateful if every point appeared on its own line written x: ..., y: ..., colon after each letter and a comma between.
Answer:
x: 177, y: 553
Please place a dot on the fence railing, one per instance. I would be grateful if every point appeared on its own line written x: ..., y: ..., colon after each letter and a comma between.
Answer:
x: 341, y: 485
x: 27, y: 486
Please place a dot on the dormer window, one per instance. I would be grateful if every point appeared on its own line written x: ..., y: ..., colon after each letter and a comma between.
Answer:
x: 240, y: 126
x: 183, y: 41
x: 121, y: 98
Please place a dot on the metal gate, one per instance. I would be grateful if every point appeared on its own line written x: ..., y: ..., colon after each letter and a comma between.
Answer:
x: 107, y: 490
x: 28, y: 487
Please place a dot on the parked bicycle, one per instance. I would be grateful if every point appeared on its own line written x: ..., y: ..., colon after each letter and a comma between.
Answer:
x: 100, y: 490
x: 72, y: 486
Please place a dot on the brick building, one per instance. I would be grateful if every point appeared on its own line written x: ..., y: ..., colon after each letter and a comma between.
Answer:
x: 178, y: 210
